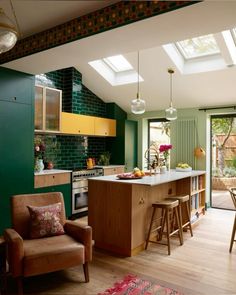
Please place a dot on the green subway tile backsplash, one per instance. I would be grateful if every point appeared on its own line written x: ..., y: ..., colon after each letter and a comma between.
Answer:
x: 69, y: 152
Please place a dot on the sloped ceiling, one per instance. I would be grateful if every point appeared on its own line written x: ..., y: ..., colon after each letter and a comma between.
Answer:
x: 215, y: 88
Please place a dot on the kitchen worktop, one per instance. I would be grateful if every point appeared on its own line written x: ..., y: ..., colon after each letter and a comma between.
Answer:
x: 108, y: 166
x: 51, y: 171
x: 154, y: 179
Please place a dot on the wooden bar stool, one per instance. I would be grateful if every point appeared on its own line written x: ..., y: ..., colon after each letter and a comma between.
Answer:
x: 169, y: 216
x: 184, y: 204
x: 232, y: 191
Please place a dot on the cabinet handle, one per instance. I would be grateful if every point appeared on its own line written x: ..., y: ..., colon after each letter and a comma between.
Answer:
x: 141, y: 201
x: 79, y: 131
x: 53, y: 176
x: 106, y: 133
x: 14, y: 98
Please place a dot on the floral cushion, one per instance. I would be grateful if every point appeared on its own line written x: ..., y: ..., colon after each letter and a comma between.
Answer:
x: 45, y: 221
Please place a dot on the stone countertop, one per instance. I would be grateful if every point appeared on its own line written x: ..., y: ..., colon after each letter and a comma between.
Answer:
x: 108, y: 166
x: 52, y: 171
x: 154, y: 179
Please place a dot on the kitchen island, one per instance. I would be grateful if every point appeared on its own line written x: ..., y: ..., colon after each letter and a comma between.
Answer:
x: 119, y: 211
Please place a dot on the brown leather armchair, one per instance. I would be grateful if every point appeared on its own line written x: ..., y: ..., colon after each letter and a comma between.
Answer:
x: 29, y: 257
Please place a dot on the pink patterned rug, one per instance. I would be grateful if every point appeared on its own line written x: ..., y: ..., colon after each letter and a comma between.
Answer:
x: 132, y: 285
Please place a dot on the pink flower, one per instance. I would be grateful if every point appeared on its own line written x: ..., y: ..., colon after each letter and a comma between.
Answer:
x: 37, y: 148
x: 165, y: 147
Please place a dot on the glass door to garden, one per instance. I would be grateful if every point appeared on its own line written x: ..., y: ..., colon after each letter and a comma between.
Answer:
x: 223, y: 160
x: 158, y: 134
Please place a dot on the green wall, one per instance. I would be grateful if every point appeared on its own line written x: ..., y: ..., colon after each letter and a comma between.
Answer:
x: 183, y: 114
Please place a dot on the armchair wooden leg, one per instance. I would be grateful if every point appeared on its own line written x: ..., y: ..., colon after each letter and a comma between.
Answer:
x: 86, y: 272
x: 233, y: 235
x: 19, y: 285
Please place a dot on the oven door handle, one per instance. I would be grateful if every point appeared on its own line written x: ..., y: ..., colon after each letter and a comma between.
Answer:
x: 80, y: 190
x: 79, y: 179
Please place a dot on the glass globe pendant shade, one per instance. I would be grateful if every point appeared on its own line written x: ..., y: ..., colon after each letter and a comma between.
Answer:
x: 8, y: 33
x: 171, y: 113
x: 138, y: 106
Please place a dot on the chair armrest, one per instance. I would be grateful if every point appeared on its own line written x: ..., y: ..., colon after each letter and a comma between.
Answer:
x: 15, y: 251
x: 82, y: 234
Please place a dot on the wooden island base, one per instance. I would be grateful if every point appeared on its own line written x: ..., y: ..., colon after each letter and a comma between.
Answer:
x: 120, y: 211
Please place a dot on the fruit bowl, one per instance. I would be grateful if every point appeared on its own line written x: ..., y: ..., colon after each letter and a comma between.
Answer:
x: 183, y: 169
x: 128, y: 176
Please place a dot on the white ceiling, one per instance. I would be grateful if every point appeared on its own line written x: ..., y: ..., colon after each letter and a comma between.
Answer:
x: 215, y: 88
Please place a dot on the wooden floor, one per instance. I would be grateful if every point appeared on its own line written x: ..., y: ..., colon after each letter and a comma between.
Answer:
x: 202, y: 265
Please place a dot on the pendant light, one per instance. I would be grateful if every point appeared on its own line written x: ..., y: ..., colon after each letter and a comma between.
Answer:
x: 8, y: 31
x: 138, y: 104
x: 171, y: 112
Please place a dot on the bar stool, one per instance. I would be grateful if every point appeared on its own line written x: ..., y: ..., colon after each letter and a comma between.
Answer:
x: 169, y: 216
x: 232, y: 191
x: 184, y: 203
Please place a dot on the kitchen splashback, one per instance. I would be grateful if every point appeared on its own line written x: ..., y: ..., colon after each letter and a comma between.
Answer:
x: 69, y: 152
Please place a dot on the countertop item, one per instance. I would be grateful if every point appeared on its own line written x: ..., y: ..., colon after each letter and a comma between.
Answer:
x: 108, y: 166
x: 154, y: 179
x: 51, y: 171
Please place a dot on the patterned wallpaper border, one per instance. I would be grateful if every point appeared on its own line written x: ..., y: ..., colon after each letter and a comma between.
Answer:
x: 110, y: 17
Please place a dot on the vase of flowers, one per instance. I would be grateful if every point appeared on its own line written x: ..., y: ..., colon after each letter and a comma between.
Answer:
x: 164, y: 149
x: 39, y: 149
x: 39, y: 166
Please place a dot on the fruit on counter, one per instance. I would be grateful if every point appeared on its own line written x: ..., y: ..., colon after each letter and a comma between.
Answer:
x: 136, y: 169
x: 183, y: 165
x: 137, y: 172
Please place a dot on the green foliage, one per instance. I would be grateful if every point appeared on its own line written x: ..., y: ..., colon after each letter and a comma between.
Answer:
x: 222, y: 125
x: 234, y: 162
x: 165, y: 128
x: 229, y: 172
x: 216, y: 172
x: 104, y: 158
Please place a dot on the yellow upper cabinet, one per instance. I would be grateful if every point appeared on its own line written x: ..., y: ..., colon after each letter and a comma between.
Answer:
x: 87, y: 125
x: 77, y: 124
x: 47, y: 109
x: 105, y: 127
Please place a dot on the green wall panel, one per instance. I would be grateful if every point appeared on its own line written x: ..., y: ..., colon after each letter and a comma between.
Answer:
x: 124, y: 146
x: 16, y: 139
x: 15, y: 86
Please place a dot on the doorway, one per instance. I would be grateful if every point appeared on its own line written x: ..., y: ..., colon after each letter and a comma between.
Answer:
x: 158, y: 134
x: 223, y: 160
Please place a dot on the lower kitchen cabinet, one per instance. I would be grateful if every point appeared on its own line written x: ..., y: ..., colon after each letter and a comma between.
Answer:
x: 65, y: 189
x: 111, y: 170
x: 55, y: 181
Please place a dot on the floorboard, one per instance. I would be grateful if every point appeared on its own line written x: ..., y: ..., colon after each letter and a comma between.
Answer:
x: 202, y: 266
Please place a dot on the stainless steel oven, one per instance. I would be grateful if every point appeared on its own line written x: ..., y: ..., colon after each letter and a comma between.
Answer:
x: 80, y: 189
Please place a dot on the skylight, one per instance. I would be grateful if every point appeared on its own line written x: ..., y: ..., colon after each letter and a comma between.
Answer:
x: 234, y: 35
x: 118, y: 63
x: 116, y: 70
x: 198, y: 47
